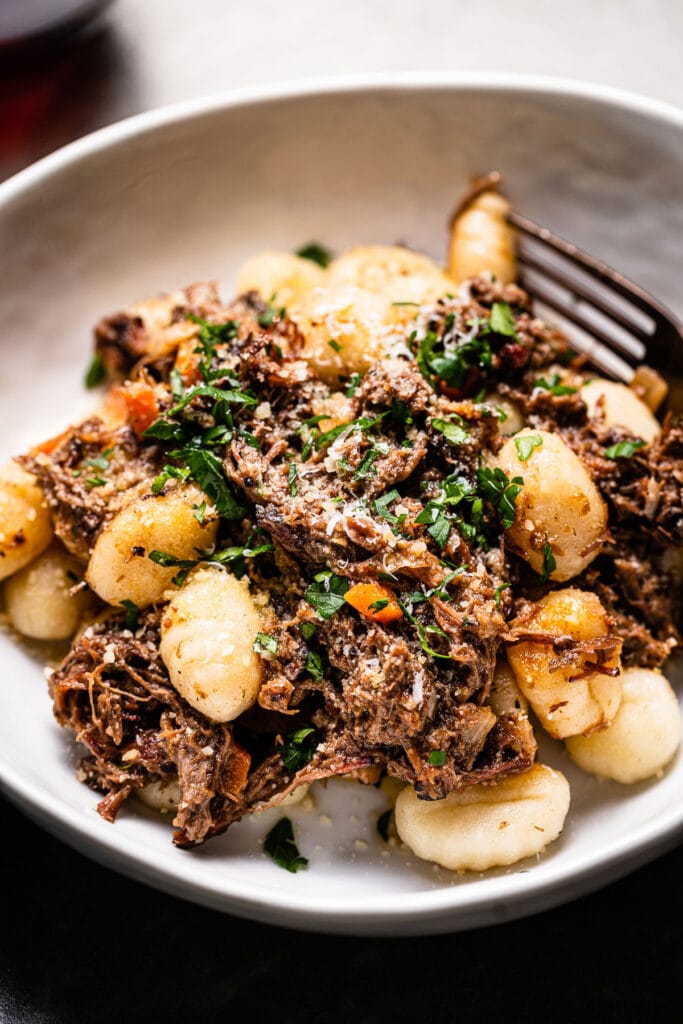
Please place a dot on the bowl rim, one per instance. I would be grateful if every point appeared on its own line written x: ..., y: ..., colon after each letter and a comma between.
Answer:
x: 291, y: 89
x: 431, y: 910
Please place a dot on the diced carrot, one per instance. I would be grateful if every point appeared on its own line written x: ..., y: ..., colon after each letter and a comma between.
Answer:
x: 187, y: 361
x: 140, y: 403
x: 375, y: 602
x: 47, y: 447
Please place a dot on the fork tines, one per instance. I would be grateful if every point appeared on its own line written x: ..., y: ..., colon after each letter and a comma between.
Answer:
x: 615, y: 322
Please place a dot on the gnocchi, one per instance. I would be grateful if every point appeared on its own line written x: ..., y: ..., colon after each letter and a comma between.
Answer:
x: 619, y: 406
x: 482, y: 240
x: 344, y: 329
x: 398, y: 274
x: 280, y: 277
x: 580, y: 691
x: 643, y: 737
x: 567, y: 520
x: 39, y: 598
x: 425, y: 573
x: 207, y: 634
x: 25, y: 522
x: 486, y: 826
x: 162, y: 796
x: 120, y: 568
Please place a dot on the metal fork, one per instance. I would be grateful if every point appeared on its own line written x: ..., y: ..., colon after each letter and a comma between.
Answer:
x: 616, y: 323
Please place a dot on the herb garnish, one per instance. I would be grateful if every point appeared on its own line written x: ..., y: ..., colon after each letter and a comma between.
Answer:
x: 227, y: 556
x: 326, y: 593
x: 500, y: 491
x: 499, y: 591
x: 456, y: 493
x: 381, y: 506
x: 453, y: 430
x: 96, y: 373
x: 292, y: 475
x: 279, y: 844
x: 352, y: 387
x: 438, y: 758
x: 314, y: 665
x: 167, y: 473
x: 449, y: 356
x: 265, y: 644
x: 298, y: 748
x: 549, y: 563
x: 624, y: 449
x: 209, y: 338
x: 554, y: 386
x: 316, y: 253
x: 502, y: 320
x: 526, y: 444
x: 199, y: 512
x: 132, y: 613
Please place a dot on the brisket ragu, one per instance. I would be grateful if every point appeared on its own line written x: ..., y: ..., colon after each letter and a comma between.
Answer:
x: 380, y: 700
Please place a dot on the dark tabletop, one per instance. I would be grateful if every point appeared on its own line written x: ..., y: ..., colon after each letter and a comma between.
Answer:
x: 81, y: 943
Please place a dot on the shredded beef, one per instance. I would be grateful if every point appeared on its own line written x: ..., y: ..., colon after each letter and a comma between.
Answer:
x: 347, y: 498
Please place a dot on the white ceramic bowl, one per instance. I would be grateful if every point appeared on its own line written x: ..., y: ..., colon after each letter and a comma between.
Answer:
x: 185, y: 194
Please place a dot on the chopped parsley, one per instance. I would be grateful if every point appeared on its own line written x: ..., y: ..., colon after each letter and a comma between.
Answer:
x: 132, y: 613
x: 268, y: 318
x: 314, y: 665
x: 499, y: 591
x: 199, y: 512
x: 316, y: 253
x: 292, y: 475
x: 326, y: 594
x: 206, y: 469
x: 265, y: 644
x: 102, y: 461
x: 226, y: 556
x: 624, y: 450
x: 169, y: 472
x: 440, y: 531
x: 449, y: 357
x: 452, y: 430
x: 366, y: 464
x: 423, y: 631
x: 379, y: 605
x: 181, y: 425
x: 500, y: 491
x: 502, y: 320
x: 209, y: 338
x: 96, y: 373
x: 526, y: 444
x: 352, y: 387
x: 549, y: 563
x: 298, y: 748
x: 279, y: 844
x: 457, y: 502
x: 308, y: 630
x: 95, y: 481
x: 381, y: 506
x: 554, y: 386
x: 335, y: 345
x: 438, y: 758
